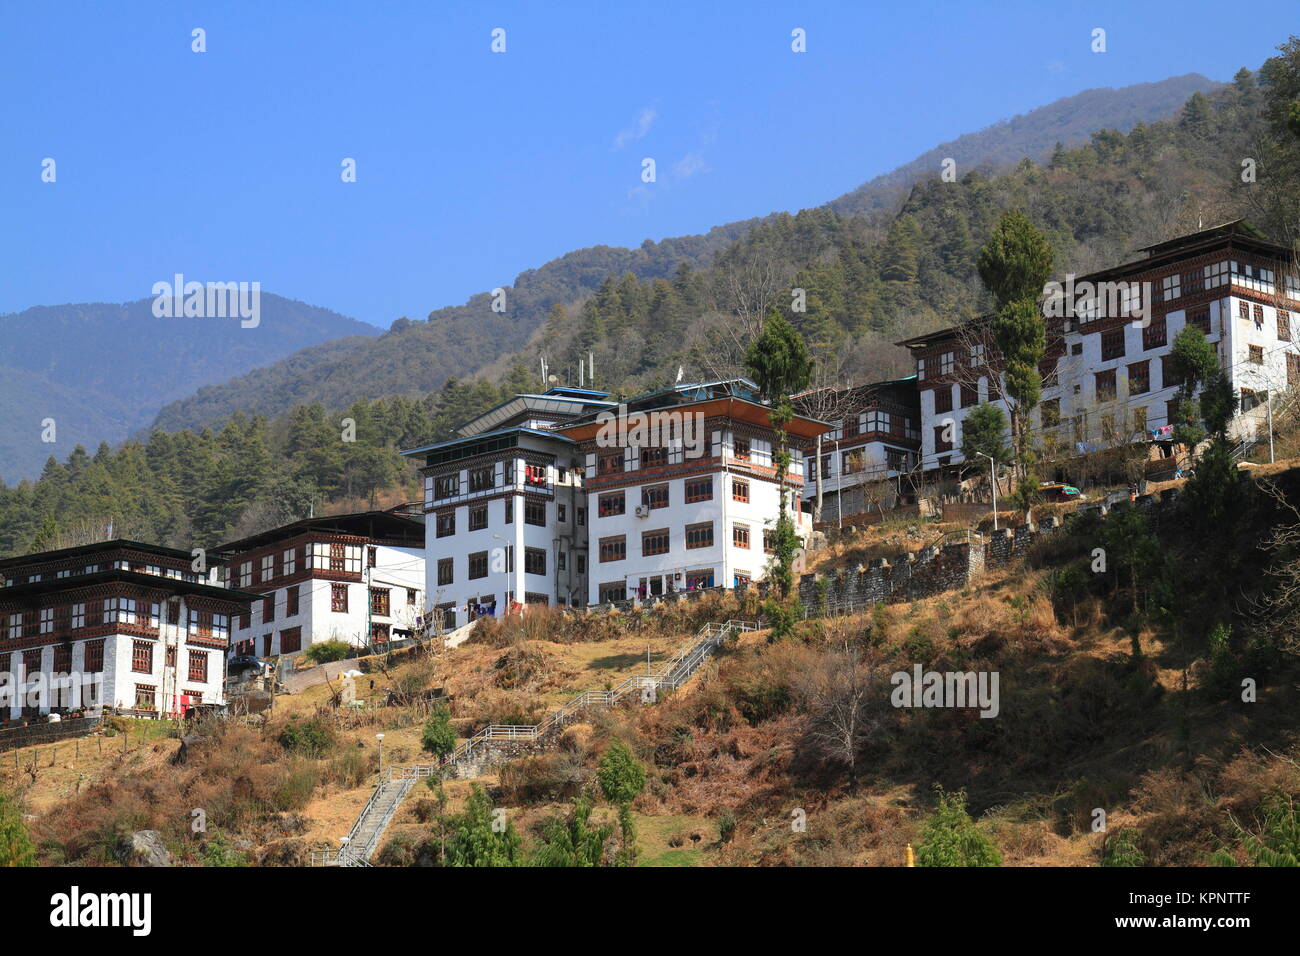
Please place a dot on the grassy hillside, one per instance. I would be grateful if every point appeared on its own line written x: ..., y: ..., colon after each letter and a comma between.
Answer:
x: 1120, y: 691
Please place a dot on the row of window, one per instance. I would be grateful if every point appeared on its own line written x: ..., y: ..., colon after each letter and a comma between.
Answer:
x: 945, y: 363
x: 137, y: 566
x: 92, y: 659
x: 483, y: 478
x: 142, y: 660
x: 658, y: 541
x: 479, y: 566
x: 534, y: 514
x: 119, y: 610
x: 317, y: 556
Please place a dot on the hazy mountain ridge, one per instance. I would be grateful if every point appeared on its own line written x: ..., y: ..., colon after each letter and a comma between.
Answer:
x: 102, y: 370
x: 1067, y: 121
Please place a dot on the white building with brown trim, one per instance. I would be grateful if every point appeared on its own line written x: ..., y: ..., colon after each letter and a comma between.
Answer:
x: 693, y: 507
x: 505, y: 510
x: 357, y: 578
x: 118, y: 624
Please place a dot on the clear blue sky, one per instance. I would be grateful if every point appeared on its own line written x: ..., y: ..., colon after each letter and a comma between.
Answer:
x: 473, y: 166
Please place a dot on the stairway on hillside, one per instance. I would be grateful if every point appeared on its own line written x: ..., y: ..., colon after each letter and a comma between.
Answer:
x: 397, y: 782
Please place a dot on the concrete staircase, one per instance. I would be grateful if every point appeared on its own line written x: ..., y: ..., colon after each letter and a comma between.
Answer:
x: 396, y: 783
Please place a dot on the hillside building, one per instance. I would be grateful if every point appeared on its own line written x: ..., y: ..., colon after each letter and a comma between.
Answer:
x: 681, y: 490
x: 875, y: 442
x: 1106, y: 374
x: 357, y: 578
x: 506, y: 515
x: 117, y: 624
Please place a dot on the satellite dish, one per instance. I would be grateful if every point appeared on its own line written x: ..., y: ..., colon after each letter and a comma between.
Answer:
x: 552, y: 379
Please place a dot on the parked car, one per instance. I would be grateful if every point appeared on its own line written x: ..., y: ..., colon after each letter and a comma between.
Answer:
x: 243, y: 663
x: 1056, y: 492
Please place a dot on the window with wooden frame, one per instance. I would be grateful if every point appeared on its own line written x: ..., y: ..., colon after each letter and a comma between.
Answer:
x: 1104, y: 384
x: 268, y: 568
x: 535, y: 512
x: 699, y: 535
x: 613, y: 549
x: 654, y: 542
x: 291, y: 640
x: 410, y: 597
x: 268, y: 607
x: 289, y: 561
x: 740, y: 449
x: 93, y: 661
x: 379, y: 633
x: 174, y: 613
x: 63, y: 658
x: 611, y: 504
x: 851, y: 427
x: 534, y: 561
x: 478, y: 565
x: 739, y: 490
x: 379, y: 601
x: 1292, y: 370
x: 1259, y: 316
x: 654, y: 456
x: 535, y: 475
x: 198, y: 666
x: 1156, y: 334
x: 610, y: 463
x: 769, y: 541
x: 943, y: 399
x: 1112, y: 344
x: 169, y: 656
x: 1256, y: 356
x: 1200, y: 317
x: 482, y: 479
x: 478, y: 518
x: 142, y: 657
x: 699, y: 489
x: 291, y: 601
x: 941, y: 441
x: 613, y: 591
x: 970, y: 394
x: 740, y: 535
x: 146, y: 697
x: 445, y: 572
x: 339, y: 598
x: 947, y: 362
x: 1139, y: 378
x: 446, y: 524
x: 654, y: 496
x: 446, y: 486
x: 1283, y: 326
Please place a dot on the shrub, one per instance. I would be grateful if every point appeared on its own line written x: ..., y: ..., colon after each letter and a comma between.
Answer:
x: 949, y: 836
x: 439, y: 737
x: 310, y: 737
x: 217, y: 851
x: 327, y: 651
x: 399, y: 851
x: 15, y: 845
x: 1121, y: 849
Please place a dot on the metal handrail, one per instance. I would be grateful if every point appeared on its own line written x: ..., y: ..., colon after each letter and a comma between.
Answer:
x: 399, y: 780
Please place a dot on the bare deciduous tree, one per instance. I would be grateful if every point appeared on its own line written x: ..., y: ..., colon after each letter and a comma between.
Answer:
x: 846, y: 703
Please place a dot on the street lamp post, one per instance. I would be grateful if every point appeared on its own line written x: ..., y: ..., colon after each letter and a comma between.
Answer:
x: 380, y: 738
x: 518, y: 580
x: 993, y: 479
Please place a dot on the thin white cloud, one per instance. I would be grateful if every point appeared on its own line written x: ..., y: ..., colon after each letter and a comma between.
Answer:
x: 690, y: 164
x: 645, y: 119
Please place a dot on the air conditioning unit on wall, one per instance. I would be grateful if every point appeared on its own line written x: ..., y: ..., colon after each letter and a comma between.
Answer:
x: 642, y: 511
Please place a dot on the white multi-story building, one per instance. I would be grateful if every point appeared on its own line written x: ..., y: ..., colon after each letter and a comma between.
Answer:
x: 117, y: 624
x: 506, y: 517
x: 357, y: 578
x: 1106, y: 375
x: 682, y: 495
x: 1241, y: 290
x: 878, y: 437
